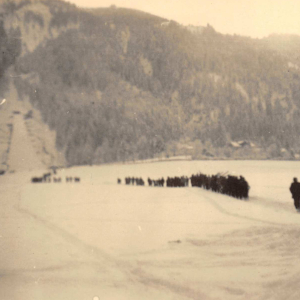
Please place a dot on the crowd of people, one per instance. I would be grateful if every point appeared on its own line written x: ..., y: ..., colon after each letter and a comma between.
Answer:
x: 139, y: 181
x: 48, y: 178
x: 182, y: 181
x: 132, y: 180
x: 233, y: 186
x: 229, y: 185
x: 156, y: 182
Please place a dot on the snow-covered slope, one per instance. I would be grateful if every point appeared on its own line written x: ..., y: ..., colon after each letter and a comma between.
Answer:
x: 25, y: 143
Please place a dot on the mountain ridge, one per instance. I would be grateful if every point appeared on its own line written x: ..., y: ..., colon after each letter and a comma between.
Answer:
x: 147, y: 86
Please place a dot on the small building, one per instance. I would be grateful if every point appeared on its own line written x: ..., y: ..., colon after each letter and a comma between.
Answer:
x: 241, y: 144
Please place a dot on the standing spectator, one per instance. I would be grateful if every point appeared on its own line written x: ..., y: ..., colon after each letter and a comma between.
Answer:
x: 295, y: 190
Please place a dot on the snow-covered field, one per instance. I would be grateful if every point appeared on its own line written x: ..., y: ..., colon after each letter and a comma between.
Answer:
x: 100, y: 240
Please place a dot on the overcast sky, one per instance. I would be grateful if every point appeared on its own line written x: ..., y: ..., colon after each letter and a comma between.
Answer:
x: 256, y: 18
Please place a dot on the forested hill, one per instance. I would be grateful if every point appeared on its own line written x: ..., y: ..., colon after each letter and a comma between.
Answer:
x: 118, y: 84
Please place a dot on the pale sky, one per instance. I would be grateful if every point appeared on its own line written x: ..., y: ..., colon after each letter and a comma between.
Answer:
x: 255, y: 18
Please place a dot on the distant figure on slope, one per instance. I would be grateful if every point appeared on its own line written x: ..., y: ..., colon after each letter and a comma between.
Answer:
x: 295, y: 190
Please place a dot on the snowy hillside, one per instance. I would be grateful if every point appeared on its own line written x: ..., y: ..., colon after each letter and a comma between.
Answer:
x: 103, y: 73
x: 26, y: 142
